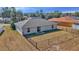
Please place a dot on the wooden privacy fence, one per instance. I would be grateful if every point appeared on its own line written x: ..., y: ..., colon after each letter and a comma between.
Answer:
x: 63, y: 41
x: 53, y: 41
x: 69, y: 29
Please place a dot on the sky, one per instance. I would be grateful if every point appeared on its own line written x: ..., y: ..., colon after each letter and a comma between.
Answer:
x: 47, y: 9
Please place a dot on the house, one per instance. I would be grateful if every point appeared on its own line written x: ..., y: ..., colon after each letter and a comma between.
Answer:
x: 34, y: 25
x: 66, y: 22
x: 75, y: 17
x: 1, y: 20
x: 5, y: 20
x: 63, y: 21
x: 25, y: 17
x: 76, y: 25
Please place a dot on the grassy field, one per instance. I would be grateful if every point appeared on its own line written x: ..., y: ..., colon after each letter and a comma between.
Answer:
x: 11, y: 40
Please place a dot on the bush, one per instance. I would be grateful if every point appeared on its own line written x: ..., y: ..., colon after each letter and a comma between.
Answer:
x: 13, y: 26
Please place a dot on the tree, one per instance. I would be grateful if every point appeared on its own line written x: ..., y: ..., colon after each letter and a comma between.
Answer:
x: 13, y: 25
x: 9, y: 12
x: 56, y: 14
x: 41, y: 11
x: 77, y: 14
x: 19, y: 15
x: 5, y: 12
x: 41, y: 14
x: 13, y: 13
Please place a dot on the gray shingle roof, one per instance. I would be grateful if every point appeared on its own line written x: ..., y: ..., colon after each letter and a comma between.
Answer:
x: 32, y: 22
x: 21, y: 23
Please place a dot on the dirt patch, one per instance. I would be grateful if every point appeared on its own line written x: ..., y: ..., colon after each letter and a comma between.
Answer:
x: 11, y: 40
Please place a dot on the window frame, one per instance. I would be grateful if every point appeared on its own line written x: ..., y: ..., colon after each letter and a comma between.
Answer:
x: 28, y: 29
x: 38, y: 29
x: 52, y: 26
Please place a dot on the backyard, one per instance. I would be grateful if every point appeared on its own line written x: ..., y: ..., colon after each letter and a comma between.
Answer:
x: 60, y: 40
x: 11, y: 40
x: 64, y: 40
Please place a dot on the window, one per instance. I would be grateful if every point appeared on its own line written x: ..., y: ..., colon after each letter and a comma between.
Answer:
x: 28, y: 29
x: 52, y: 26
x: 38, y: 29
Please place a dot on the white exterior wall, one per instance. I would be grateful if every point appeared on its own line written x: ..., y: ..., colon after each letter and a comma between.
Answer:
x: 21, y: 27
x: 19, y: 30
x: 44, y: 28
x: 55, y: 26
x: 34, y: 30
x: 75, y: 26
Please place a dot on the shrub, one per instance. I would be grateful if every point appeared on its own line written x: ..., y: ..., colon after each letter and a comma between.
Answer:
x: 13, y: 26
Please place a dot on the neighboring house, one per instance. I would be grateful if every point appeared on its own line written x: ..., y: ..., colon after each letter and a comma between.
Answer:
x: 7, y: 19
x: 66, y: 22
x: 63, y: 21
x: 75, y: 17
x: 76, y: 25
x: 34, y: 25
x: 25, y: 17
x: 1, y: 20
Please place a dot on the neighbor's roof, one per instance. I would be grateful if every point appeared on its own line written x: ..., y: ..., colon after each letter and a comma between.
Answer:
x: 63, y: 19
x: 32, y: 22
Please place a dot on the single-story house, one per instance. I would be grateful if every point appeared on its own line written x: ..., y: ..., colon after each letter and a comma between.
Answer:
x: 76, y: 25
x: 63, y: 21
x: 6, y: 19
x: 1, y: 20
x: 75, y: 17
x: 66, y: 22
x: 34, y: 25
